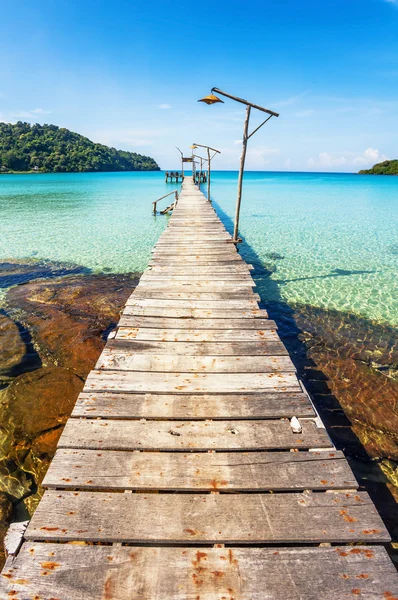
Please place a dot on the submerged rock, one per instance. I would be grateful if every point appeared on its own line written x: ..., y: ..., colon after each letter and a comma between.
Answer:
x: 5, y: 519
x: 12, y: 347
x: 54, y: 328
x: 68, y: 317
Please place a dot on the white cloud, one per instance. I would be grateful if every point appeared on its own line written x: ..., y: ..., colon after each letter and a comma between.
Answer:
x: 328, y: 160
x: 164, y: 106
x: 325, y: 159
x: 369, y: 157
x: 31, y: 114
x: 237, y: 142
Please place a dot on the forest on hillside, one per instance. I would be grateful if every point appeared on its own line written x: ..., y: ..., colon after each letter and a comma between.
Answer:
x: 48, y: 148
x: 387, y: 167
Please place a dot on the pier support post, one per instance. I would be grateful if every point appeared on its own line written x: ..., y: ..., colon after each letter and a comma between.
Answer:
x: 236, y: 239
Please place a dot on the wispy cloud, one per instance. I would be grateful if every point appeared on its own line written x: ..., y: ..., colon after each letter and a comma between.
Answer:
x: 164, y: 106
x: 368, y: 157
x: 326, y: 159
x: 31, y: 114
x: 127, y: 138
x: 395, y: 2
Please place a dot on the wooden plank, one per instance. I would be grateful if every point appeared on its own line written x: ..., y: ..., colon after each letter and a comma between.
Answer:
x: 197, y: 335
x: 195, y: 313
x: 248, y: 349
x: 190, y: 250
x: 137, y: 573
x: 196, y: 277
x: 190, y: 406
x: 192, y: 324
x: 208, y: 260
x: 337, y: 517
x: 109, y: 434
x: 202, y: 270
x: 186, y: 295
x: 191, y: 383
x: 195, y: 303
x: 205, y: 285
x: 120, y: 357
x: 207, y: 471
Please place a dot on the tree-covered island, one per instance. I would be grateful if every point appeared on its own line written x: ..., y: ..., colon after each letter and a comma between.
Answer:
x: 387, y: 167
x: 48, y: 148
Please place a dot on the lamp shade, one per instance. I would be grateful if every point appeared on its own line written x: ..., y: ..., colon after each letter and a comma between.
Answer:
x: 211, y: 99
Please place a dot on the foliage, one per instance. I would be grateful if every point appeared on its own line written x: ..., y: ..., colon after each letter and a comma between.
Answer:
x: 48, y: 148
x: 388, y: 167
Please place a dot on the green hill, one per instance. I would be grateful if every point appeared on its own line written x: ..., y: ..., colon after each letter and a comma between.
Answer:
x: 48, y: 148
x: 388, y: 167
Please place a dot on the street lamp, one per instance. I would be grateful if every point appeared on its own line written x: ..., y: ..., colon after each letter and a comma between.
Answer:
x: 209, y: 159
x: 213, y: 99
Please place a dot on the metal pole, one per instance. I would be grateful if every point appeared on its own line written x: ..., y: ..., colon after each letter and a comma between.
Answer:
x: 208, y: 174
x: 236, y: 240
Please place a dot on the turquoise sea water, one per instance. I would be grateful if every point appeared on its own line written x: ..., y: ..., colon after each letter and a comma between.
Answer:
x: 328, y: 240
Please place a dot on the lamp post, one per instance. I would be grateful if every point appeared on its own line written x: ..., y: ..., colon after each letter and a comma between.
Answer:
x: 213, y: 99
x: 209, y: 159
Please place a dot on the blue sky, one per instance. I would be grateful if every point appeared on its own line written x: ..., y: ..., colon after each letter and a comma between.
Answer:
x: 128, y: 73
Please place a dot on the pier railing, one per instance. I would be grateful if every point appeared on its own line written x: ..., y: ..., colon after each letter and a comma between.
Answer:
x: 154, y: 204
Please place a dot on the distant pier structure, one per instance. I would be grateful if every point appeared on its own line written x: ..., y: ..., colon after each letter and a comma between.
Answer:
x: 174, y: 176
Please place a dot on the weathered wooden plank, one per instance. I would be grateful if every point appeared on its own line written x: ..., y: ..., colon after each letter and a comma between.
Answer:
x: 208, y: 260
x: 205, y: 285
x: 195, y: 313
x: 232, y: 268
x: 197, y: 335
x: 196, y: 277
x: 186, y: 295
x: 190, y: 406
x: 174, y: 471
x: 206, y: 237
x: 120, y: 357
x: 109, y: 434
x: 195, y: 303
x: 248, y: 349
x: 192, y: 324
x: 191, y: 383
x: 136, y: 573
x: 202, y: 270
x: 212, y: 518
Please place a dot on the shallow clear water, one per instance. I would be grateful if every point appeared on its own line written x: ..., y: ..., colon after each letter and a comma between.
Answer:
x: 337, y: 233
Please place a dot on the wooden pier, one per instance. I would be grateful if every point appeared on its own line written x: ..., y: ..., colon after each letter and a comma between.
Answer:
x: 173, y: 176
x: 194, y: 466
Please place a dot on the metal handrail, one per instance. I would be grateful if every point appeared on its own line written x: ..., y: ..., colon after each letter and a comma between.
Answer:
x: 158, y: 200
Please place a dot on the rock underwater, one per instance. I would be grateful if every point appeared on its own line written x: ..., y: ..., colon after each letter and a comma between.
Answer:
x: 53, y: 330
